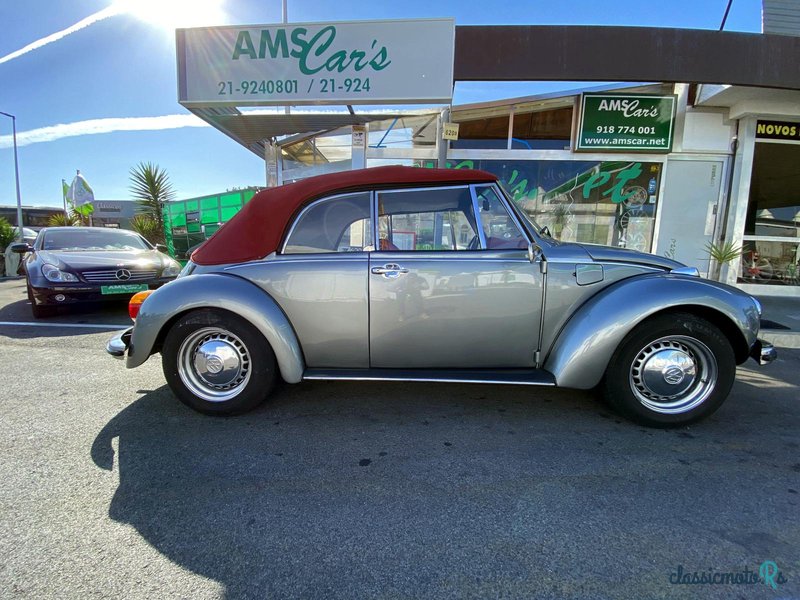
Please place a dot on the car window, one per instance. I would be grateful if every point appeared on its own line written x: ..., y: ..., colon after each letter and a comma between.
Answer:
x: 437, y: 219
x: 339, y: 224
x: 499, y: 228
x: 77, y: 239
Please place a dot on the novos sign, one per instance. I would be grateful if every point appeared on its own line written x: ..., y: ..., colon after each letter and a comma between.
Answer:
x: 362, y: 62
x: 626, y: 122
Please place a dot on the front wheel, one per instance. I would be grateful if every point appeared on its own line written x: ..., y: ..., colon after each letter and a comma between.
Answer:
x: 217, y: 363
x: 670, y: 370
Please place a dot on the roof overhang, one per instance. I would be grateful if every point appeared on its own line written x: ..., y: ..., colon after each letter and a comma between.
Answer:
x: 564, y: 53
x: 748, y: 101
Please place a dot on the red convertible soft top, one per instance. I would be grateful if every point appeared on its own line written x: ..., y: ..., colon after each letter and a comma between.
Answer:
x: 258, y: 228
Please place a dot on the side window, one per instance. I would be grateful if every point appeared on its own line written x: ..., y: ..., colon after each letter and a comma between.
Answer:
x: 437, y: 219
x: 499, y: 228
x: 340, y: 224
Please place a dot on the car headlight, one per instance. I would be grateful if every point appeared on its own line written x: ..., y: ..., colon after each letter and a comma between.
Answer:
x: 56, y: 275
x: 172, y: 269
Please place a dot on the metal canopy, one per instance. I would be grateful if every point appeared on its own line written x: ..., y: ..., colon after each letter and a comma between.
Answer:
x: 560, y: 53
x: 254, y: 131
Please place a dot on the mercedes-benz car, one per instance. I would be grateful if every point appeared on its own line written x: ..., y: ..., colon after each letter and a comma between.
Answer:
x: 67, y: 265
x: 411, y: 274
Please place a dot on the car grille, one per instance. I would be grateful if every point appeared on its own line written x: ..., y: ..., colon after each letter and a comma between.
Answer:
x: 110, y: 276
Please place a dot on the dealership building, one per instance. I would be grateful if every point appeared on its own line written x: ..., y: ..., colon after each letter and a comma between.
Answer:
x: 707, y: 156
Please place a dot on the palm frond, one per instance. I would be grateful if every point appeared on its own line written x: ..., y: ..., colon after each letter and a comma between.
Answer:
x: 723, y: 253
x: 151, y: 189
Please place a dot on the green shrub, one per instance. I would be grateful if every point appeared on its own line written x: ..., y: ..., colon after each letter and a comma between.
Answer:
x: 7, y: 234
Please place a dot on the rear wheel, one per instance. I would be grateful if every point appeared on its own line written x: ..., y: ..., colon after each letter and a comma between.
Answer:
x: 671, y: 370
x: 218, y: 363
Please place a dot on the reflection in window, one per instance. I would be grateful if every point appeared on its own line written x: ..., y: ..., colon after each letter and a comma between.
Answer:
x: 340, y: 224
x: 498, y: 226
x: 435, y: 219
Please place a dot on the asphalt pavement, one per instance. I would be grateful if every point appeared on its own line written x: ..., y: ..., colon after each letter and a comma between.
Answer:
x: 112, y: 488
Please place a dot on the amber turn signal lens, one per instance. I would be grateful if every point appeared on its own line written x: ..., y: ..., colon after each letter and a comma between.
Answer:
x: 136, y: 302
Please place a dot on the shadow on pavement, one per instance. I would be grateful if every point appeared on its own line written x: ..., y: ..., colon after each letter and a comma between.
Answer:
x: 365, y: 490
x: 79, y: 314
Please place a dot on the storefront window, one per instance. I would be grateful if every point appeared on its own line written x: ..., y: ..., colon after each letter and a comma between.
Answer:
x: 771, y: 247
x: 609, y: 202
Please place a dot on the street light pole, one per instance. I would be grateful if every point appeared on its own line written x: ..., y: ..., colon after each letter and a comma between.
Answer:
x: 16, y: 173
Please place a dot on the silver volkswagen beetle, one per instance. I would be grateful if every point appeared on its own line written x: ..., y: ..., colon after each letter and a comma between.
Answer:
x: 400, y: 273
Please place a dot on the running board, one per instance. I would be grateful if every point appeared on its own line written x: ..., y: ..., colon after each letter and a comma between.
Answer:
x: 507, y: 376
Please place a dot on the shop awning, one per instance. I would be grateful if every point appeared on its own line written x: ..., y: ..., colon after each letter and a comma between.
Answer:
x: 253, y: 130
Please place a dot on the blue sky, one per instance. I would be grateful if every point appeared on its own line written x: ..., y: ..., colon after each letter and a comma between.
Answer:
x: 123, y: 66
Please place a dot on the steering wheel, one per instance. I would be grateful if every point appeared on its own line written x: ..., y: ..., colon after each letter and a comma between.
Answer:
x: 474, y: 243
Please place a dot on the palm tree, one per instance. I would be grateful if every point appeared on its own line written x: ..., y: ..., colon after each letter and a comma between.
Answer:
x: 61, y: 219
x: 151, y: 188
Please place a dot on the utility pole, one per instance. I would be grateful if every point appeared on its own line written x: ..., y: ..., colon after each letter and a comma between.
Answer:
x: 16, y: 172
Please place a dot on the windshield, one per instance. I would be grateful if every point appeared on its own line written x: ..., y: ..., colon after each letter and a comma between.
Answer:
x: 85, y: 239
x: 521, y: 213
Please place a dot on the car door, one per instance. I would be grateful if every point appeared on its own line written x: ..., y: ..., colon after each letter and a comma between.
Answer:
x: 450, y: 283
x: 320, y: 280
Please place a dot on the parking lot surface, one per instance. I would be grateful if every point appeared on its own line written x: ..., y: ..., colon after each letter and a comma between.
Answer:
x: 112, y: 488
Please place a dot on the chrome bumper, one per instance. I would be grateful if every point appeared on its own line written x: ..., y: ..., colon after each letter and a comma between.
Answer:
x: 118, y: 344
x: 763, y: 352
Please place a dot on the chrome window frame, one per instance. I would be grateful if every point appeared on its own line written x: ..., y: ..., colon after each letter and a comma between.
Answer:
x: 505, y: 201
x: 307, y: 208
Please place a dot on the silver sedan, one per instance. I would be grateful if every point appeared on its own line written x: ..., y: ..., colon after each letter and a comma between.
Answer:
x: 406, y: 274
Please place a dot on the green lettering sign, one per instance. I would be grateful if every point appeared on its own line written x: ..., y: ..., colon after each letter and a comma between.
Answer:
x: 626, y: 122
x: 313, y: 54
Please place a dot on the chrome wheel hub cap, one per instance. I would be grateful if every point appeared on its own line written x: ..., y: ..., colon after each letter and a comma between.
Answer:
x: 673, y: 374
x: 214, y: 364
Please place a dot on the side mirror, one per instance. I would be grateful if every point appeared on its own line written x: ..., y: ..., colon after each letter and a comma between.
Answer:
x: 534, y: 252
x: 162, y: 248
x: 21, y: 248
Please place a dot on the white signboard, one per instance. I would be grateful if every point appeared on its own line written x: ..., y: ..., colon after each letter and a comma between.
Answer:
x: 449, y: 131
x: 362, y: 62
x: 359, y: 137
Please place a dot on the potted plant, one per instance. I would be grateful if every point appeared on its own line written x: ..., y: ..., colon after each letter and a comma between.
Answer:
x: 721, y: 254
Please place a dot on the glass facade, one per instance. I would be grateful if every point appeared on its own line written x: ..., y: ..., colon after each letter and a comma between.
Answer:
x: 771, y: 243
x: 596, y: 202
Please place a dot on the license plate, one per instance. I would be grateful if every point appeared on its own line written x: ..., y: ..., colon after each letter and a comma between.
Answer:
x: 130, y: 288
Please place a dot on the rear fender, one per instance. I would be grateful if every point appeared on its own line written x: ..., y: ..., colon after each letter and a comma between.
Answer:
x: 581, y: 353
x: 221, y: 291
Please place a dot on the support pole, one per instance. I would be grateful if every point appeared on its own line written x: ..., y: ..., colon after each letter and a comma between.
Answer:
x: 16, y: 174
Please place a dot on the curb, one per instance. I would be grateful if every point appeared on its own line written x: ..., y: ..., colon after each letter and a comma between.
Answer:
x: 781, y: 339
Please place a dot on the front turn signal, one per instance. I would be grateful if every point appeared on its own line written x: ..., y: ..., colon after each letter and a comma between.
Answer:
x: 136, y: 302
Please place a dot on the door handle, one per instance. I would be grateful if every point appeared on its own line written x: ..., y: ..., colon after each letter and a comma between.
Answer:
x: 390, y: 271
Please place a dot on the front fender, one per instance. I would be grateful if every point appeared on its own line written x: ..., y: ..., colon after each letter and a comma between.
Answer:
x: 580, y: 355
x: 227, y: 292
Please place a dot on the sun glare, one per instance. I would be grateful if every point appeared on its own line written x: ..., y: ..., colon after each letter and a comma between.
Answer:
x: 171, y: 14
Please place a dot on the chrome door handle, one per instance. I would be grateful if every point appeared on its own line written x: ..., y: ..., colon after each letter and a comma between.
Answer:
x: 390, y: 271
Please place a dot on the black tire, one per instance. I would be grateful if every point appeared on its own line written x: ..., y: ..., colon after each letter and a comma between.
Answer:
x: 671, y: 370
x: 233, y: 375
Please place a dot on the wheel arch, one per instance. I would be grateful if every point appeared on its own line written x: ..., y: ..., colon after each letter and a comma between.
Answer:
x: 222, y: 292
x: 581, y: 353
x: 741, y: 349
